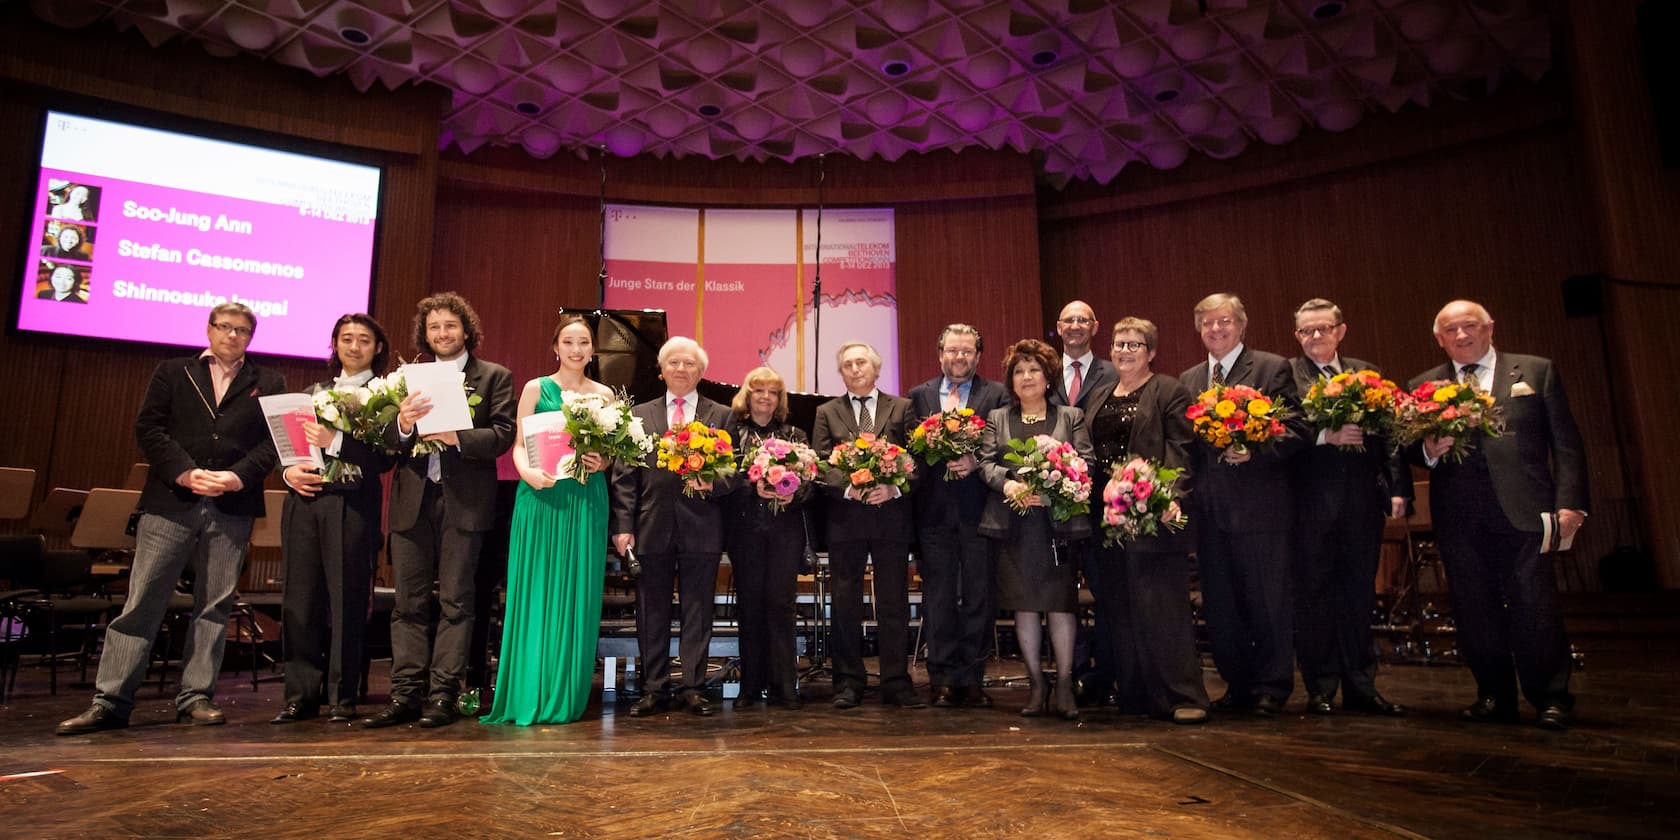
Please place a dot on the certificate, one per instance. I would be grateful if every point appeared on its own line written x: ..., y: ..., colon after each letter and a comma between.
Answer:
x: 285, y: 415
x: 445, y: 386
x: 547, y: 442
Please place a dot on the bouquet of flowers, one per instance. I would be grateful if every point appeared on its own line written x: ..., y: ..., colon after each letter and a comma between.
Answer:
x: 869, y: 461
x: 697, y: 451
x: 781, y: 466
x: 1053, y: 470
x: 390, y: 393
x: 947, y: 436
x: 1236, y: 417
x: 605, y: 426
x: 1362, y: 398
x: 1442, y: 408
x: 1139, y: 495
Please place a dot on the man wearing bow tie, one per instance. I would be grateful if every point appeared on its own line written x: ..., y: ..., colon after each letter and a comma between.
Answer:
x: 203, y: 434
x: 870, y: 528
x: 1491, y: 512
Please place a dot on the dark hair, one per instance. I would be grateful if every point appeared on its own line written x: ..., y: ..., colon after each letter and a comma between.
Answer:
x: 961, y: 329
x: 455, y: 304
x: 380, y: 356
x: 1028, y: 350
x: 567, y: 319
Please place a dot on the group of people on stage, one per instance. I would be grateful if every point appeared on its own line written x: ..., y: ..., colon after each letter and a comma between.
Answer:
x: 1286, y: 536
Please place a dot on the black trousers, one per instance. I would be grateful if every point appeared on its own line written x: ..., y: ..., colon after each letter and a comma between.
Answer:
x: 959, y: 605
x: 696, y: 575
x: 430, y: 636
x: 847, y: 561
x: 1153, y: 635
x: 327, y: 557
x: 765, y: 558
x: 1335, y: 591
x: 1246, y: 600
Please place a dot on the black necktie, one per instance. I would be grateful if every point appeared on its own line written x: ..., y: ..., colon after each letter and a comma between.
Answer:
x: 865, y: 422
x: 1330, y: 370
x: 1218, y: 374
x: 1467, y: 374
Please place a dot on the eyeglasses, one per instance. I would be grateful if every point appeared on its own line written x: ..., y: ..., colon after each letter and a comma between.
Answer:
x: 963, y: 353
x: 1315, y: 332
x: 1130, y: 346
x: 1222, y: 321
x: 1076, y: 321
x: 233, y: 329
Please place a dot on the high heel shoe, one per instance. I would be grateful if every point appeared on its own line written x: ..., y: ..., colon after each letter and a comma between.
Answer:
x: 1066, y: 707
x: 1037, y: 701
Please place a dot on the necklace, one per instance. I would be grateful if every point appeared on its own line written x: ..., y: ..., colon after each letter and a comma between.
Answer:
x: 1031, y: 418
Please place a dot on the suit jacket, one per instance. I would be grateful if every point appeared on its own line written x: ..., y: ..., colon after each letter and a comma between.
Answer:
x: 1095, y: 386
x: 1160, y: 432
x: 469, y: 470
x: 648, y: 501
x: 1538, y: 464
x: 1328, y: 482
x: 369, y: 492
x: 1068, y: 424
x: 1252, y: 496
x: 179, y: 430
x: 850, y: 520
x: 941, y: 503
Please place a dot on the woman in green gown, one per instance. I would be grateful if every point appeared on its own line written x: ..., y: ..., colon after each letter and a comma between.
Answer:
x: 556, y: 558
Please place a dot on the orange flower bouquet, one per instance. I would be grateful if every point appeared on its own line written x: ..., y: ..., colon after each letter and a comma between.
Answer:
x: 697, y: 451
x: 870, y: 461
x: 947, y: 436
x: 1362, y: 398
x: 1443, y: 408
x: 1236, y: 417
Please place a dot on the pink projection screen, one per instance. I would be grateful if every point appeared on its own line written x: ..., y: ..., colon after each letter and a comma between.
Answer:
x: 739, y: 282
x: 137, y: 232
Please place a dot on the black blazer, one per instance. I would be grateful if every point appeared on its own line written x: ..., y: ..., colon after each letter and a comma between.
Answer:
x: 1093, y: 389
x: 179, y: 429
x: 469, y: 471
x: 1329, y: 482
x: 648, y: 501
x: 999, y: 519
x: 1538, y: 465
x: 941, y: 503
x: 1252, y: 496
x: 850, y: 520
x: 1160, y: 432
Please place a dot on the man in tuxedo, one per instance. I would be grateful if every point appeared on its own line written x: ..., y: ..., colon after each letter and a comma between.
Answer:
x: 1491, y: 512
x: 955, y: 560
x: 442, y: 503
x: 1241, y: 514
x: 678, y: 537
x: 202, y: 431
x: 870, y: 528
x: 1340, y: 499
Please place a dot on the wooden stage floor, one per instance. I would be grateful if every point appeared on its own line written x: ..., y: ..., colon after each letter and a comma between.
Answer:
x: 861, y: 773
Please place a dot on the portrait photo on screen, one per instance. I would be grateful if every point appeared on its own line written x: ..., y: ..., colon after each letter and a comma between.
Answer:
x: 61, y: 240
x: 71, y: 200
x: 62, y: 283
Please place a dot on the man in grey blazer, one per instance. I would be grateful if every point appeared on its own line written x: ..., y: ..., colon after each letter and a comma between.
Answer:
x: 1489, y: 512
x: 677, y: 537
x: 873, y: 528
x: 441, y: 505
x: 958, y: 607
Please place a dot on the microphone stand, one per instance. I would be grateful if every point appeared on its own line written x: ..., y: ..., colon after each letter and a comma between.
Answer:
x: 816, y: 289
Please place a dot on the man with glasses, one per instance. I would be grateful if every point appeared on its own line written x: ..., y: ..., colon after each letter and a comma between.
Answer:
x: 1241, y: 514
x: 1492, y: 513
x: 202, y: 432
x: 955, y: 560
x: 1341, y: 497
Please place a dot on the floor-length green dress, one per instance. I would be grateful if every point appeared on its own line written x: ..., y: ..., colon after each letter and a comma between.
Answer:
x: 557, y: 553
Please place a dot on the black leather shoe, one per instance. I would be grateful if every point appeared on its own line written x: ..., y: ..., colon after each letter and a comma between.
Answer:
x: 201, y: 713
x: 1489, y: 710
x: 905, y: 699
x: 1267, y: 706
x: 294, y: 712
x: 392, y: 715
x: 1231, y: 702
x: 978, y: 698
x: 438, y: 713
x: 97, y: 718
x: 698, y: 705
x: 747, y: 704
x: 650, y: 703
x: 846, y: 698
x: 1318, y: 704
x: 1555, y: 718
x: 1375, y: 704
x: 947, y: 696
x: 342, y: 713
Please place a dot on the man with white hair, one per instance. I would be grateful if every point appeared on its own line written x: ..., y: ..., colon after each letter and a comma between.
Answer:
x: 1491, y: 512
x: 678, y: 538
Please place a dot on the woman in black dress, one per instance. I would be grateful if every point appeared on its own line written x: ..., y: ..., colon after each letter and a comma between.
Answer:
x: 1034, y: 574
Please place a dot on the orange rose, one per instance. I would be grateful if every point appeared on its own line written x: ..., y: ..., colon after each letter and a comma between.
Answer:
x: 696, y: 461
x: 862, y: 477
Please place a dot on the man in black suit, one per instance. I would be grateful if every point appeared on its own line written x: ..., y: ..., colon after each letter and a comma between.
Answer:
x: 1340, y: 499
x: 202, y: 431
x: 1490, y: 513
x: 677, y: 537
x: 442, y: 503
x: 1241, y: 514
x: 872, y: 528
x: 955, y: 560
